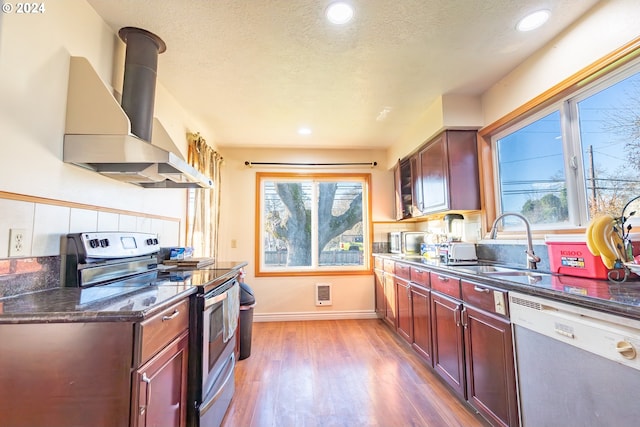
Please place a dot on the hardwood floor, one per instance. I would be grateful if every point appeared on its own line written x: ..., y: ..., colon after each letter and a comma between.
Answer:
x: 339, y: 373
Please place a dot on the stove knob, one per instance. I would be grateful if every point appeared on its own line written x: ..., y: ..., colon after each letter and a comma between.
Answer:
x: 104, y: 243
x: 149, y: 241
x: 155, y: 241
x: 94, y: 243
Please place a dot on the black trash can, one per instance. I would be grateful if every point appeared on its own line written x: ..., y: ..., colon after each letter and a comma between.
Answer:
x: 247, y: 303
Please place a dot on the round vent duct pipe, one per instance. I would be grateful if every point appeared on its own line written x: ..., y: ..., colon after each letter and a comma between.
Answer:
x: 140, y: 71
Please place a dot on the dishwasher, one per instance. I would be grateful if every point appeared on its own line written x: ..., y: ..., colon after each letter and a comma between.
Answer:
x: 576, y: 366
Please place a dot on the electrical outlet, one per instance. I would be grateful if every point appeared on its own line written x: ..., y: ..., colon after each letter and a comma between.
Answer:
x: 18, y: 245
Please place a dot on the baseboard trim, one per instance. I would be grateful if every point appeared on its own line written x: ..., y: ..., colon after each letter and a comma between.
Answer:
x: 329, y: 315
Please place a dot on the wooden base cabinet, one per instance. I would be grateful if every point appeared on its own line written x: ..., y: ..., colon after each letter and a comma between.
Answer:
x: 390, y: 300
x: 160, y: 387
x: 389, y: 292
x: 421, y: 321
x: 489, y: 362
x: 460, y: 328
x: 403, y: 301
x: 448, y: 344
x: 65, y: 374
x: 379, y: 291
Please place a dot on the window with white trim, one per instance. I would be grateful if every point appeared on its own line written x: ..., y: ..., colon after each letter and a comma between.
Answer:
x: 313, y: 223
x: 575, y: 159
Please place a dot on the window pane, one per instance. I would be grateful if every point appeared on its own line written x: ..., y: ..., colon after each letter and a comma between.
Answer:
x: 287, y: 223
x: 340, y: 225
x: 317, y: 223
x: 531, y: 172
x: 610, y: 137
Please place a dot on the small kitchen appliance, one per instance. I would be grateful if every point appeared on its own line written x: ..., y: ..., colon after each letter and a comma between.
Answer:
x: 458, y: 253
x: 405, y: 242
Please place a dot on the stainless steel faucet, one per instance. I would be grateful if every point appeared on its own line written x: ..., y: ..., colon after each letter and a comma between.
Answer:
x: 532, y: 258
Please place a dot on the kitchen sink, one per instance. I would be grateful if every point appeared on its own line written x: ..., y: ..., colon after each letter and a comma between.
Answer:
x: 495, y: 270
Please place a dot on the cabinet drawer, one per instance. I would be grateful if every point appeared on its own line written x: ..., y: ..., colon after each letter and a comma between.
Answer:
x: 446, y: 284
x: 420, y: 276
x: 485, y: 298
x: 389, y: 266
x: 403, y: 271
x: 159, y: 330
x: 378, y: 263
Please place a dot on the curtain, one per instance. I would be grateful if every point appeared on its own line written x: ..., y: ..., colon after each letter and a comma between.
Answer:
x: 203, y: 207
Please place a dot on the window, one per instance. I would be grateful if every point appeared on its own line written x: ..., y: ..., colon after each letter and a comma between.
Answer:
x: 312, y: 223
x: 577, y: 158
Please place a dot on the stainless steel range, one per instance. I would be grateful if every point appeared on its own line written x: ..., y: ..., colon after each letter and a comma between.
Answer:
x: 108, y: 265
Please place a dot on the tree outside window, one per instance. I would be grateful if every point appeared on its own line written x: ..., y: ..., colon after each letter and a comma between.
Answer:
x: 313, y: 223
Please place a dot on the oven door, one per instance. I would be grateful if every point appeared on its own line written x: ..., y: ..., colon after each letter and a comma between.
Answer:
x: 220, y: 320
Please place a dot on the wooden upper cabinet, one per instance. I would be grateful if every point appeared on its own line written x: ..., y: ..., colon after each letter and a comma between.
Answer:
x: 403, y: 189
x: 447, y: 169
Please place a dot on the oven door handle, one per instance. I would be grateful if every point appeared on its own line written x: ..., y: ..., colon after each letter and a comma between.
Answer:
x: 229, y: 374
x: 208, y: 302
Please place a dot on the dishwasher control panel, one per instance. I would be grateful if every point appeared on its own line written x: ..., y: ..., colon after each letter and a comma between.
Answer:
x: 612, y: 337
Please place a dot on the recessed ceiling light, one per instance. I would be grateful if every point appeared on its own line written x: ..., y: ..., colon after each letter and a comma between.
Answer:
x: 533, y: 20
x: 339, y: 13
x: 304, y: 131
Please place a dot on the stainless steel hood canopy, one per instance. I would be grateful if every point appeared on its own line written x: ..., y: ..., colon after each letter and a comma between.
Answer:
x: 124, y: 142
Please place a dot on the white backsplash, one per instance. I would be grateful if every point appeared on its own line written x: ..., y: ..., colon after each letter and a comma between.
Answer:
x: 45, y: 224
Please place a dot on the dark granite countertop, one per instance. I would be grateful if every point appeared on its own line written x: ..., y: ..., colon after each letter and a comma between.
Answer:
x: 615, y: 298
x: 128, y: 300
x: 74, y: 304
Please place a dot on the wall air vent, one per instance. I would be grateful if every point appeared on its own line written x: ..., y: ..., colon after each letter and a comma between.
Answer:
x: 323, y: 294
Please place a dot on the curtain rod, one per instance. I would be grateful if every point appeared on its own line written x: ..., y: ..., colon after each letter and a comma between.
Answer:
x: 248, y: 163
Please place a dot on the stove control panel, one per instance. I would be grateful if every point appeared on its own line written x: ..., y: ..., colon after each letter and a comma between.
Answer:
x: 115, y: 244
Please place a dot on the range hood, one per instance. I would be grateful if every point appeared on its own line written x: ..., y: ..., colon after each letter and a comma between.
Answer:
x: 98, y: 132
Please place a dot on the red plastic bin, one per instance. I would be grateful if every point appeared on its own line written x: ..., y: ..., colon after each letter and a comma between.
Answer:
x: 570, y: 255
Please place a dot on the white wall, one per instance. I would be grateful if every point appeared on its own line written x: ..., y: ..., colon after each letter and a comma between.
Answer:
x: 294, y: 297
x: 34, y: 65
x: 605, y: 28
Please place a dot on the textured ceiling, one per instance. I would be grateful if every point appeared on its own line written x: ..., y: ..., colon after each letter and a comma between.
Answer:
x: 256, y: 70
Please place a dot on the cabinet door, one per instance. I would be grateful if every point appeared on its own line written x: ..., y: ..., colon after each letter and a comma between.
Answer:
x: 403, y: 189
x: 448, y: 173
x: 491, y: 384
x: 65, y: 374
x: 434, y: 172
x: 448, y: 346
x: 421, y: 321
x: 398, y: 191
x: 417, y: 204
x: 160, y: 388
x: 403, y: 301
x: 379, y: 290
x: 464, y: 181
x: 390, y: 300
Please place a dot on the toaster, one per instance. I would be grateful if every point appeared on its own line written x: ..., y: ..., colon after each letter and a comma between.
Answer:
x: 459, y: 252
